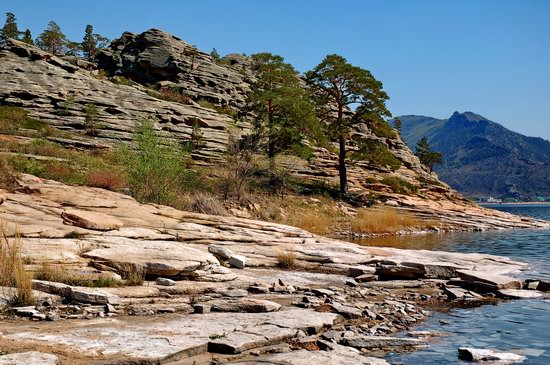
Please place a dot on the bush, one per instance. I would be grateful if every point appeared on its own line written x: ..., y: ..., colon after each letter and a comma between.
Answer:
x: 110, y: 179
x: 377, y: 154
x: 170, y: 94
x: 91, y: 119
x: 8, y: 177
x: 399, y: 185
x: 156, y: 171
x: 381, y: 128
x: 13, y: 273
x: 286, y: 259
x: 314, y: 222
x: 200, y: 202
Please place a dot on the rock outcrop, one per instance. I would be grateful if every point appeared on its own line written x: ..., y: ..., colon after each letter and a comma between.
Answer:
x: 57, y: 92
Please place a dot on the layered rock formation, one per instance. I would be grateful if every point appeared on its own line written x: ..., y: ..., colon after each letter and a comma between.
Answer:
x: 57, y: 92
x: 338, y: 299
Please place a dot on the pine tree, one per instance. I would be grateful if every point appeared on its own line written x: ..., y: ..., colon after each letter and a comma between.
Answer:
x: 427, y: 156
x: 215, y: 55
x: 92, y: 42
x: 9, y: 30
x: 284, y: 115
x: 88, y: 42
x: 52, y: 39
x: 341, y: 85
x: 397, y: 124
x: 27, y: 37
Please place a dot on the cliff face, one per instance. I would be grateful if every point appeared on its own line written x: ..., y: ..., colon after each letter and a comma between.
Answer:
x: 57, y: 92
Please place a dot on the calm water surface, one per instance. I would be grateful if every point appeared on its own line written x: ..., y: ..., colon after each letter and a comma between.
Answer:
x: 520, y: 326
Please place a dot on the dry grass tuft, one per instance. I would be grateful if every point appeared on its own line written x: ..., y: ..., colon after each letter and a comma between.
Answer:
x: 205, y: 203
x: 314, y: 222
x: 8, y: 178
x: 48, y: 272
x: 13, y: 273
x: 133, y: 275
x: 383, y: 220
x: 286, y: 259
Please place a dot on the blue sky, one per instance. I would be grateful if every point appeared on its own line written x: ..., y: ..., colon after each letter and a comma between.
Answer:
x: 491, y: 57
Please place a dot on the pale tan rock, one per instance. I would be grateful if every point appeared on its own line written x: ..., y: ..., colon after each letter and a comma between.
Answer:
x: 31, y: 357
x: 91, y: 220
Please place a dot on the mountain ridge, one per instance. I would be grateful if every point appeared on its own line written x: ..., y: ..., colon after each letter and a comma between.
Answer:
x: 482, y: 157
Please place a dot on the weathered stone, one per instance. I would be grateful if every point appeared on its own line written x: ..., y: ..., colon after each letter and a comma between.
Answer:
x: 323, y: 292
x: 455, y: 293
x: 518, y: 294
x: 355, y: 271
x: 346, y: 311
x: 479, y: 355
x: 222, y: 252
x: 91, y: 220
x: 489, y: 280
x: 27, y: 358
x: 201, y: 308
x: 165, y: 282
x: 237, y: 261
x: 244, y: 305
x: 365, y: 278
x: 376, y: 342
x: 543, y: 286
x: 400, y: 271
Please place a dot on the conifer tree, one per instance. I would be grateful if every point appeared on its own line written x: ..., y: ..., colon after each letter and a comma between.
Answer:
x: 27, y: 37
x: 284, y: 116
x: 340, y: 86
x: 9, y: 30
x: 215, y: 55
x: 92, y: 42
x: 52, y: 39
x: 427, y: 156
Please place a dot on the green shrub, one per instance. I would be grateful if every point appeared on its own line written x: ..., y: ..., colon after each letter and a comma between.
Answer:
x: 91, y: 119
x: 381, y: 128
x: 399, y: 185
x: 377, y: 154
x: 156, y: 170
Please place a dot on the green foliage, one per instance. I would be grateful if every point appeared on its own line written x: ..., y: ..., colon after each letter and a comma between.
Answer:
x: 399, y: 185
x: 381, y: 128
x: 215, y: 55
x: 91, y: 119
x: 72, y: 49
x: 156, y: 169
x: 65, y: 107
x: 376, y: 154
x: 427, y: 156
x: 336, y: 83
x: 120, y: 80
x: 27, y: 37
x: 196, y: 139
x: 397, y: 124
x: 92, y: 42
x: 9, y: 30
x: 283, y: 114
x: 14, y: 118
x: 52, y: 39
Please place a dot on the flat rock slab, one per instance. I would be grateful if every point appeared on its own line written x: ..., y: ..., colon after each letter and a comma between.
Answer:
x: 162, y: 258
x: 338, y: 355
x: 494, y: 357
x: 249, y: 305
x: 519, y: 294
x: 489, y: 280
x: 90, y: 220
x: 27, y: 358
x: 376, y: 342
x: 172, y: 335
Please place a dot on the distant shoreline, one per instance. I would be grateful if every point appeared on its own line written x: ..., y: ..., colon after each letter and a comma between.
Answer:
x: 515, y: 203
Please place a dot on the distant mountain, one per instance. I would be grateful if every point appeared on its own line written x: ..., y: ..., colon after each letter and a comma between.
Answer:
x: 481, y: 157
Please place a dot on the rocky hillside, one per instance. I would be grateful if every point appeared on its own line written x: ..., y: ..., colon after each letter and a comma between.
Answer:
x: 482, y: 158
x: 131, y: 80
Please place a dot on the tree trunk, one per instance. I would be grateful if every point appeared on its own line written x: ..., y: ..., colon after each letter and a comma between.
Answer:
x: 342, y: 170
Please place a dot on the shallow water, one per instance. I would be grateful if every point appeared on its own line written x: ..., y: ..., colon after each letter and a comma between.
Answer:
x: 520, y: 326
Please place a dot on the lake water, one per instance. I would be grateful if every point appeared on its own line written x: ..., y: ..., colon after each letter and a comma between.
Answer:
x: 520, y: 326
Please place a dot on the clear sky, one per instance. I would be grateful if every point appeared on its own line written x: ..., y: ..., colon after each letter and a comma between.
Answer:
x: 491, y: 57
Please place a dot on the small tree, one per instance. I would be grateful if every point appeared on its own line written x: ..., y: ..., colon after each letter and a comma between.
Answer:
x: 72, y: 49
x: 27, y: 37
x: 92, y: 42
x: 91, y: 119
x: 215, y: 55
x: 397, y: 124
x: 52, y: 39
x: 340, y: 86
x: 283, y: 114
x: 427, y: 156
x: 9, y: 30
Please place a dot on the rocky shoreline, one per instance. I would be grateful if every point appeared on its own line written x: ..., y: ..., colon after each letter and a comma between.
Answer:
x: 221, y: 289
